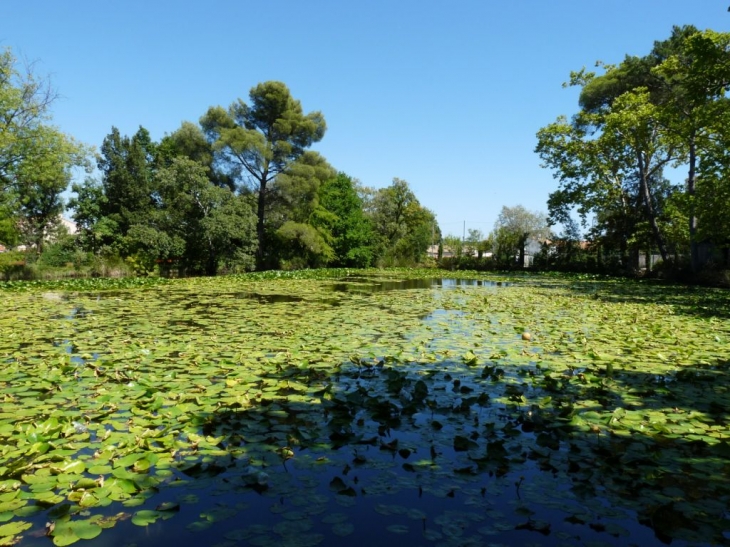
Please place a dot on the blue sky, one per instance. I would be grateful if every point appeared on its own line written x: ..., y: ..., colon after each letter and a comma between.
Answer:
x: 446, y: 95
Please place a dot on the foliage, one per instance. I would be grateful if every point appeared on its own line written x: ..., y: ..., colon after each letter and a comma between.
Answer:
x: 206, y: 226
x: 637, y: 118
x: 12, y: 265
x: 189, y: 141
x: 260, y: 141
x: 161, y: 209
x: 35, y: 158
x: 512, y: 230
x: 89, y: 204
x: 24, y: 103
x: 9, y: 233
x: 696, y: 76
x: 182, y: 205
x: 303, y: 246
x: 127, y: 168
x: 296, y: 214
x: 350, y: 230
x: 60, y: 253
x: 404, y: 227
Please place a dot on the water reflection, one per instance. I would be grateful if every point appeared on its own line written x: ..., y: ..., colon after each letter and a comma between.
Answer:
x: 371, y: 285
x: 269, y: 298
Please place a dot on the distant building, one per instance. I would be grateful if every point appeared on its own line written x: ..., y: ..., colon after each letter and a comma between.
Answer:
x: 447, y: 252
x: 70, y: 226
x: 433, y: 252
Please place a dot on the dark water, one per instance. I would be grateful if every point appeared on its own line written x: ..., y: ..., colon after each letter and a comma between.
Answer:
x: 370, y: 285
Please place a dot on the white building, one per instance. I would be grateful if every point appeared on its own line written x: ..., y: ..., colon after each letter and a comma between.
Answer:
x: 70, y: 225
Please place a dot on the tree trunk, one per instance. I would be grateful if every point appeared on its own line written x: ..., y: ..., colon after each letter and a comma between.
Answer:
x: 693, y: 244
x: 260, y: 213
x: 649, y: 208
x: 211, y: 267
x: 633, y: 258
x: 523, y: 242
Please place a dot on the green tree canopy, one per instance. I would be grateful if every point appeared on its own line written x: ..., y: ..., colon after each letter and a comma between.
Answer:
x: 36, y: 159
x: 350, y: 229
x: 636, y: 119
x: 512, y: 230
x: 127, y: 170
x: 260, y: 140
x: 206, y: 226
x: 295, y: 214
x: 189, y: 141
x: 402, y: 225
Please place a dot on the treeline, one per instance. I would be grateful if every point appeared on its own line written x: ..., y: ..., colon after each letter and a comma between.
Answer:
x: 637, y: 119
x: 239, y: 190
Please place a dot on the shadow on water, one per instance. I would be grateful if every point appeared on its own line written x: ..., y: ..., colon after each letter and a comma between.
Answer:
x: 684, y: 300
x: 436, y: 450
x: 461, y: 455
x: 269, y: 298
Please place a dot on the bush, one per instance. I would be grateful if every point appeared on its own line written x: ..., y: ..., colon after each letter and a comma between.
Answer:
x: 58, y: 255
x: 13, y: 266
x: 714, y: 275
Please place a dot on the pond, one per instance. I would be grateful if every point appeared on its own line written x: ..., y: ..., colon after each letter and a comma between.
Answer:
x: 390, y: 408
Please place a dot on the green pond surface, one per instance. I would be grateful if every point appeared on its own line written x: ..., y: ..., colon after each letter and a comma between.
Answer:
x: 388, y: 408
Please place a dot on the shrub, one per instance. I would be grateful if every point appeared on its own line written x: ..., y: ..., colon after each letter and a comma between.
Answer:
x: 13, y: 266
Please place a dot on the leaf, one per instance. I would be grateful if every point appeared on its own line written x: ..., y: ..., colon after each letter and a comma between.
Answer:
x: 73, y: 468
x: 86, y: 529
x: 145, y: 517
x: 14, y: 528
x: 64, y: 535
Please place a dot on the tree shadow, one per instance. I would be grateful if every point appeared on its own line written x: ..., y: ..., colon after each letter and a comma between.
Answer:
x: 627, y: 450
x: 656, y: 442
x: 684, y: 299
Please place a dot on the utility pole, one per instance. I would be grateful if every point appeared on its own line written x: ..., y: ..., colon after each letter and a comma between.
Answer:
x: 463, y: 233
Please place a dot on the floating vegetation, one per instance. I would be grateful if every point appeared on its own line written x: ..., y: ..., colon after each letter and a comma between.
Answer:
x: 295, y: 411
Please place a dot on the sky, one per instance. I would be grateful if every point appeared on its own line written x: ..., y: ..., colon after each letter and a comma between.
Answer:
x: 446, y: 95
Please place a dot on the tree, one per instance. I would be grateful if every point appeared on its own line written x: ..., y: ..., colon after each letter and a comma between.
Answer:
x: 189, y: 141
x: 297, y: 219
x: 9, y: 234
x: 610, y: 165
x: 512, y: 230
x: 713, y: 185
x: 205, y: 226
x: 350, y: 230
x: 404, y: 227
x: 474, y: 243
x: 258, y: 142
x: 660, y: 109
x: 127, y: 170
x: 88, y: 206
x: 636, y: 139
x: 25, y: 101
x: 598, y: 92
x: 295, y: 193
x: 39, y: 182
x: 695, y: 78
x: 35, y: 158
